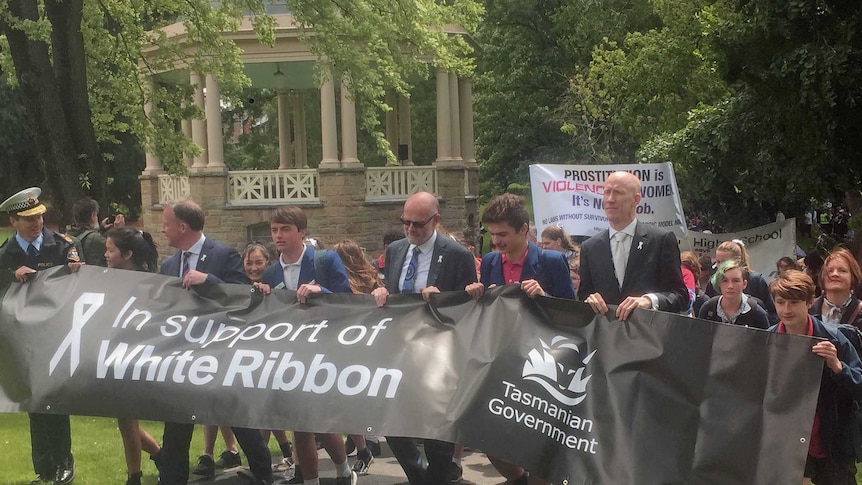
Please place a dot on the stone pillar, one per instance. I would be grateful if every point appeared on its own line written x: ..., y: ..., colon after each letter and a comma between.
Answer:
x: 444, y: 142
x: 348, y: 128
x: 455, y: 117
x: 404, y: 130
x: 299, y: 133
x: 215, y: 137
x: 154, y: 164
x: 468, y: 141
x: 199, y: 126
x: 328, y: 129
x: 392, y: 121
x: 284, y: 161
x: 186, y: 127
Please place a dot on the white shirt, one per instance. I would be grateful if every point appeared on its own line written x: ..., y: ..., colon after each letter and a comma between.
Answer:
x: 427, y: 251
x: 195, y: 251
x: 291, y: 270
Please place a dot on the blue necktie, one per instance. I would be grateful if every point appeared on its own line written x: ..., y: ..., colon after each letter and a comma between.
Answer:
x: 186, y: 256
x: 32, y: 253
x: 409, y: 284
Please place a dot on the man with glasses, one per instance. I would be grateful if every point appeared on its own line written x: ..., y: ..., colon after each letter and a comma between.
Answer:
x: 424, y: 262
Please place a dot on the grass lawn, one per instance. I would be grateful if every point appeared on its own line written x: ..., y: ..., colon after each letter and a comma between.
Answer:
x: 96, y: 445
x: 5, y: 233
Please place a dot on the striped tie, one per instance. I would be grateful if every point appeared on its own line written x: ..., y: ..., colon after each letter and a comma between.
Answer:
x: 186, y: 256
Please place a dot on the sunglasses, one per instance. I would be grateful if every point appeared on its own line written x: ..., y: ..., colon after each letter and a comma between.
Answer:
x: 416, y: 224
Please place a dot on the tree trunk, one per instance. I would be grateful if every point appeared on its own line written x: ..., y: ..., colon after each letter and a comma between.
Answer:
x: 70, y: 69
x: 50, y: 129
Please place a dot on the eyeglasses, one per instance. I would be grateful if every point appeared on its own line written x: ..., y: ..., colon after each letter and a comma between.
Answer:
x: 416, y: 224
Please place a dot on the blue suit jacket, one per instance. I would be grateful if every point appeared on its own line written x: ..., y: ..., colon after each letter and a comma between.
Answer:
x: 550, y: 269
x: 336, y: 278
x: 220, y: 262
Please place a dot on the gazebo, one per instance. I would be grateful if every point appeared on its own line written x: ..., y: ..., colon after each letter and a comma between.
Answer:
x: 342, y: 197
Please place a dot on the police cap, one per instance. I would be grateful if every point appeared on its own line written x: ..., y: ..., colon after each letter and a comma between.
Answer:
x: 24, y: 204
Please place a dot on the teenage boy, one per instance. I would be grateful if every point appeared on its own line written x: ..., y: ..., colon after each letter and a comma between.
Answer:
x: 299, y: 270
x: 518, y: 261
x: 830, y: 451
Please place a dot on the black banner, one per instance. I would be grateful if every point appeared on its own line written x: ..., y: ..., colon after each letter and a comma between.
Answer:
x: 544, y: 383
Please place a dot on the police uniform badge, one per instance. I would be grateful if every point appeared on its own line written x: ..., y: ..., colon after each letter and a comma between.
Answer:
x: 72, y: 255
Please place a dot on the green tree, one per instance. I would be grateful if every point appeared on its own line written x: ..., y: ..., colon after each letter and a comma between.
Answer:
x: 78, y: 63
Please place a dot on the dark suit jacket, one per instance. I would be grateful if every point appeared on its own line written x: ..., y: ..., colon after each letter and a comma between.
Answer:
x: 220, y: 262
x: 452, y: 265
x: 653, y: 267
x: 330, y: 262
x: 549, y: 268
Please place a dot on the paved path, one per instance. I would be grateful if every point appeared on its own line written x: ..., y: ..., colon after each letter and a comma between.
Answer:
x: 384, y: 471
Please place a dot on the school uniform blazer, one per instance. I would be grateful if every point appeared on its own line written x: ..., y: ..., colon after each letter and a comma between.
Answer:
x: 330, y: 262
x: 453, y: 267
x: 653, y: 267
x: 549, y: 269
x: 220, y: 262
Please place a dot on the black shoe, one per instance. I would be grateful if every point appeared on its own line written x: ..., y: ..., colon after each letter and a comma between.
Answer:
x: 205, y: 467
x: 65, y: 472
x: 364, y: 459
x: 41, y: 480
x: 135, y: 478
x: 455, y: 472
x: 351, y: 480
x: 228, y: 459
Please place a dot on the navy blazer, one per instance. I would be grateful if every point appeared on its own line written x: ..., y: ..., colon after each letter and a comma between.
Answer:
x: 549, y: 268
x: 453, y: 267
x: 330, y: 261
x: 220, y: 262
x: 653, y: 267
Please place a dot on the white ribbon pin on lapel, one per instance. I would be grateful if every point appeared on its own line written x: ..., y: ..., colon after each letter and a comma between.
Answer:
x: 440, y: 259
x: 640, y: 245
x: 204, y: 257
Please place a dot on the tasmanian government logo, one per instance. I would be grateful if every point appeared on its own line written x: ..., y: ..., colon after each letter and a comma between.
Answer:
x: 550, y: 367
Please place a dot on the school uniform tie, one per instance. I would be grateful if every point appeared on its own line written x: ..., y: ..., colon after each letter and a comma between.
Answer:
x: 186, y: 256
x: 620, y: 256
x: 409, y: 284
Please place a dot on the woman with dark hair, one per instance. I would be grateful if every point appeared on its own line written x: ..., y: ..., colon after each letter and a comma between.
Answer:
x: 784, y: 264
x: 838, y: 277
x: 364, y: 279
x: 127, y: 248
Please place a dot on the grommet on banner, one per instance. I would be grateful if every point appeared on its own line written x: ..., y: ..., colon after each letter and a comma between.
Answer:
x: 802, y: 440
x: 368, y: 429
x: 48, y: 407
x: 194, y: 418
x: 565, y: 482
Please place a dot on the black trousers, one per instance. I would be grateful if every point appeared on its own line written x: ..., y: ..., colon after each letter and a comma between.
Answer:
x: 434, y: 471
x: 50, y: 442
x: 173, y: 460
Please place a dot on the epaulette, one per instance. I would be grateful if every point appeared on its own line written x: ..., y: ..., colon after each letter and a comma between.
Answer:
x: 66, y: 237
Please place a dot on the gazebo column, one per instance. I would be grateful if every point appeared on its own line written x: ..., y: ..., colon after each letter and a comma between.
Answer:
x: 154, y: 164
x: 465, y: 98
x: 299, y: 132
x: 404, y: 130
x: 328, y: 128
x: 392, y: 121
x: 348, y: 128
x: 444, y: 141
x: 455, y: 117
x: 199, y: 126
x: 215, y: 137
x: 284, y: 161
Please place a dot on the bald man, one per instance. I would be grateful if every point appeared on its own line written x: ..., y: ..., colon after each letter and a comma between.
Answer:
x: 424, y: 262
x: 632, y: 264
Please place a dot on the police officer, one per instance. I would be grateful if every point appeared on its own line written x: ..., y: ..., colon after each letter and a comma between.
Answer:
x: 34, y: 248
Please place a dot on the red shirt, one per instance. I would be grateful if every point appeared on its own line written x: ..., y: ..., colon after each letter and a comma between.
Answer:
x: 512, y: 269
x: 815, y: 444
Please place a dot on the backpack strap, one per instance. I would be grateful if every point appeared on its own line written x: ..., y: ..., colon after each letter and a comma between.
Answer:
x: 855, y: 313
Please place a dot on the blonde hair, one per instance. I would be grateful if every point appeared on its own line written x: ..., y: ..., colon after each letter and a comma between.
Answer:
x: 362, y: 276
x: 736, y: 249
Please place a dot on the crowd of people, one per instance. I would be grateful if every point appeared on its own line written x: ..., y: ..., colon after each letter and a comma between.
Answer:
x: 630, y: 266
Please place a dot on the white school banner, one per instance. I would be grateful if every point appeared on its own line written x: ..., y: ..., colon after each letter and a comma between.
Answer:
x: 765, y: 245
x: 570, y: 196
